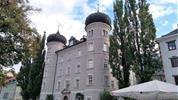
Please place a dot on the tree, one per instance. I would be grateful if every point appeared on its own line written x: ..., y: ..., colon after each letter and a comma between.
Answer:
x: 14, y: 31
x: 146, y: 61
x: 31, y: 72
x: 23, y: 78
x: 36, y: 71
x: 2, y: 79
x: 133, y: 42
x: 121, y: 44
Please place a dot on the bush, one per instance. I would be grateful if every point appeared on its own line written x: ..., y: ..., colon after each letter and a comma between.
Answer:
x: 49, y: 97
x: 105, y: 95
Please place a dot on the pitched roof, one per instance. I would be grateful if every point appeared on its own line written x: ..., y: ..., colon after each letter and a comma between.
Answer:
x: 171, y: 33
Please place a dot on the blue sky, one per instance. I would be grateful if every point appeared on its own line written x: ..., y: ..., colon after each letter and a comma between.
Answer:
x: 71, y: 15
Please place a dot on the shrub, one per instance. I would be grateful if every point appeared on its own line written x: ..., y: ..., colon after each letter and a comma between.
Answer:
x: 49, y: 97
x: 105, y: 95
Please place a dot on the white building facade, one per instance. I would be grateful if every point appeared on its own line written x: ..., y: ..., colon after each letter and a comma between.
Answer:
x: 169, y: 52
x: 79, y: 71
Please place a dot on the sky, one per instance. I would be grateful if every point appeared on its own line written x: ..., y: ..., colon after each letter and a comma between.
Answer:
x: 70, y: 15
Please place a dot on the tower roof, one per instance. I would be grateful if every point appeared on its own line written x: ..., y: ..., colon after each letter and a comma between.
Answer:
x: 98, y: 17
x: 56, y: 37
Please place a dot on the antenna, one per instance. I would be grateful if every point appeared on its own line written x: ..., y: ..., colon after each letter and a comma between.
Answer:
x: 98, y: 6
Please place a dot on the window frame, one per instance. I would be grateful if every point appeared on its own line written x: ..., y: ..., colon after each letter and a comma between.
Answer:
x: 90, y: 63
x: 77, y: 82
x: 90, y: 46
x: 90, y: 80
x: 105, y: 47
x: 174, y: 62
x: 105, y: 63
x: 171, y: 45
x: 67, y: 84
x: 58, y: 85
x: 77, y: 70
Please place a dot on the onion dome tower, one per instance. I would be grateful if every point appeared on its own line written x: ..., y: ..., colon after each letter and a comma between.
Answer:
x: 98, y: 17
x: 55, y: 42
x: 97, y: 26
x: 57, y: 37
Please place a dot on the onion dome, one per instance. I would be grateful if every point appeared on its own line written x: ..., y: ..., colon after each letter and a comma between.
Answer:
x: 98, y: 17
x: 57, y: 37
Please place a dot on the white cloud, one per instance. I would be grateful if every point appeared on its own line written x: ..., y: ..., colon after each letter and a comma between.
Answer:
x: 157, y: 29
x: 161, y: 10
x: 163, y: 1
x: 65, y: 13
x: 175, y: 26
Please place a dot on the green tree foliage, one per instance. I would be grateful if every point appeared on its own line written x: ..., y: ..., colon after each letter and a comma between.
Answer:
x: 14, y: 32
x: 105, y: 95
x: 146, y: 61
x: 49, y: 97
x: 2, y: 79
x: 31, y: 73
x: 23, y: 78
x: 121, y: 44
x: 132, y: 44
x: 36, y: 71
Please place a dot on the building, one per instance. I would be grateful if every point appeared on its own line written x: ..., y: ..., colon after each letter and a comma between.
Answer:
x: 9, y: 91
x: 79, y: 70
x: 169, y: 52
x: 17, y: 95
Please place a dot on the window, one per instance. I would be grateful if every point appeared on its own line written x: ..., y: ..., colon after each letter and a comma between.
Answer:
x: 90, y: 63
x: 105, y: 47
x: 58, y: 85
x: 45, y: 73
x: 171, y: 45
x: 5, y: 95
x: 90, y: 47
x: 89, y: 98
x: 79, y: 53
x: 77, y: 69
x: 90, y: 33
x: 106, y: 79
x: 112, y: 84
x: 77, y: 83
x: 176, y: 80
x: 90, y: 80
x: 105, y: 33
x: 60, y: 72
x: 105, y: 63
x: 67, y: 84
x: 47, y: 60
x: 68, y: 71
x: 43, y: 86
x: 71, y: 43
x: 174, y: 61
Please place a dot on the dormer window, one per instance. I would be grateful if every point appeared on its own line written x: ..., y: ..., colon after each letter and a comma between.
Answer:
x: 171, y: 45
x: 71, y: 43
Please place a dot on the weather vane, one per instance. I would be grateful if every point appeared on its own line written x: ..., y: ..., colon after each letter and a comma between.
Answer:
x: 58, y: 27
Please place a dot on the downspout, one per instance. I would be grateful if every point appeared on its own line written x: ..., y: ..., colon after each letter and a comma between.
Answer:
x: 55, y: 74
